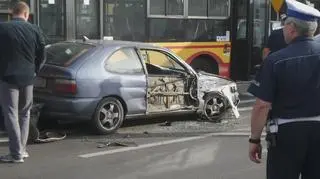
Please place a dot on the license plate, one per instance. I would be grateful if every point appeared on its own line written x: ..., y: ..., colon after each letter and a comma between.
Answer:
x: 40, y: 82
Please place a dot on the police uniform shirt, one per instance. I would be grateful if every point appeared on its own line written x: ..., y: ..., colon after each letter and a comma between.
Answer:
x: 290, y: 80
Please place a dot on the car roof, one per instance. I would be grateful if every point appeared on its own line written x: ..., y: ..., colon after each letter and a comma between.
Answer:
x: 116, y: 43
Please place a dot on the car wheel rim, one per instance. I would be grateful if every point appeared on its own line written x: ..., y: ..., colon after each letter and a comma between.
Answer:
x: 214, y: 107
x: 109, y: 115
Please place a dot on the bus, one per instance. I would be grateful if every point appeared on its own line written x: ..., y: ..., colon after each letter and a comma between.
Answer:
x: 210, y: 35
x: 202, y: 32
x: 223, y: 37
x: 196, y: 30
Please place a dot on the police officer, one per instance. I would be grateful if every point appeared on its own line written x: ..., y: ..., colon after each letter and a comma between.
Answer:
x: 289, y: 85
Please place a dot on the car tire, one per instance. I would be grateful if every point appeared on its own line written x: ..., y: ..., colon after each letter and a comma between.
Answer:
x: 214, y: 102
x: 109, y: 116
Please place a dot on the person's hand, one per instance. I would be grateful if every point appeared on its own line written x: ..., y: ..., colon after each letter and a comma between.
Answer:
x: 255, y: 151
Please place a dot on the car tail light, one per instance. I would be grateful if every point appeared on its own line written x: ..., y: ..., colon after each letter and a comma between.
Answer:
x: 65, y: 86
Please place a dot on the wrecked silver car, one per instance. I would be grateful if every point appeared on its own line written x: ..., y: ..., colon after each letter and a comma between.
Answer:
x: 106, y: 82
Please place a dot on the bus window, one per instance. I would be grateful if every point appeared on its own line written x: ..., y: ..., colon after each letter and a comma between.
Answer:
x: 52, y: 19
x: 209, y: 8
x: 125, y: 20
x: 167, y: 30
x: 195, y: 30
x: 218, y: 8
x: 197, y: 8
x: 157, y: 7
x: 167, y: 7
x: 205, y: 30
x: 175, y: 7
x: 87, y: 16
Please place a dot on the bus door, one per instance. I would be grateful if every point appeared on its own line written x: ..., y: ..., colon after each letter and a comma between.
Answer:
x: 249, y: 34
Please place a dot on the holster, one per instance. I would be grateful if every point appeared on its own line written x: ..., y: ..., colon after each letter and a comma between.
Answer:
x: 271, y: 139
x: 271, y: 136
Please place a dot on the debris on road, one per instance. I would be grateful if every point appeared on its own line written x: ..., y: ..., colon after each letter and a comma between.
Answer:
x: 116, y: 144
x: 50, y: 136
x: 35, y: 135
x: 167, y: 123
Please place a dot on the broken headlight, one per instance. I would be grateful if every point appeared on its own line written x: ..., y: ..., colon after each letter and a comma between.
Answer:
x: 233, y: 89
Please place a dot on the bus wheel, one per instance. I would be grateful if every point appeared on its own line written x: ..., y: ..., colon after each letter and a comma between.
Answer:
x: 205, y: 64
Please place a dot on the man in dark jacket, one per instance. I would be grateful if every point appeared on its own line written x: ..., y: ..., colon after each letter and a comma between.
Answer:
x: 21, y: 57
x: 275, y: 40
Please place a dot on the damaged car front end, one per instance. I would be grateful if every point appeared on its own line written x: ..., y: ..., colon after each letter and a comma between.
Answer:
x: 216, y: 95
x: 211, y: 96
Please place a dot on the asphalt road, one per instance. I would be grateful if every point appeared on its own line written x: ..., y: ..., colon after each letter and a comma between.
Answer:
x: 185, y: 149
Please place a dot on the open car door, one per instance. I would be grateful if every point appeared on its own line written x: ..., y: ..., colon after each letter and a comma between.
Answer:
x: 169, y: 83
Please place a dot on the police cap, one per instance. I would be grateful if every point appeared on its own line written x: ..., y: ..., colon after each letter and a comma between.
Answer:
x: 301, y: 11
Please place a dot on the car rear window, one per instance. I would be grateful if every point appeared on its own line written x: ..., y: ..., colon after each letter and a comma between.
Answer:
x: 63, y: 54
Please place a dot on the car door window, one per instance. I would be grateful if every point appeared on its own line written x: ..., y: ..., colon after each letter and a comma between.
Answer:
x: 161, y: 59
x: 125, y: 60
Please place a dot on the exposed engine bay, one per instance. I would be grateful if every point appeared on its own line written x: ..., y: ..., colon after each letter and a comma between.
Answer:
x: 204, y: 93
x: 170, y: 93
x: 175, y: 87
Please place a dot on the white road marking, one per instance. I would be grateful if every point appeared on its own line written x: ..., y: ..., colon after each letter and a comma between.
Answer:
x: 247, y: 94
x: 144, y: 146
x: 3, y: 140
x: 247, y: 101
x: 243, y: 129
x: 245, y: 109
x: 234, y: 134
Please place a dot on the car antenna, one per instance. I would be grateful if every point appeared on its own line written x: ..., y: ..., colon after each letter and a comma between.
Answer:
x: 85, y: 38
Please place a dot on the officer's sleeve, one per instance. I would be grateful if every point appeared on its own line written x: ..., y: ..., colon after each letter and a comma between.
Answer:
x: 263, y: 87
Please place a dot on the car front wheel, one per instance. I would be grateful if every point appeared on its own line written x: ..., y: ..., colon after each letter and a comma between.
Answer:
x: 214, y: 107
x: 109, y: 116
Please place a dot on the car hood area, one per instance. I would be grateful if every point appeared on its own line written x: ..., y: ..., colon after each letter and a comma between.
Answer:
x: 209, y: 82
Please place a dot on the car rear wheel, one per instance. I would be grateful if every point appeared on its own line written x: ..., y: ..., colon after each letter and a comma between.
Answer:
x: 109, y: 116
x: 215, y: 106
